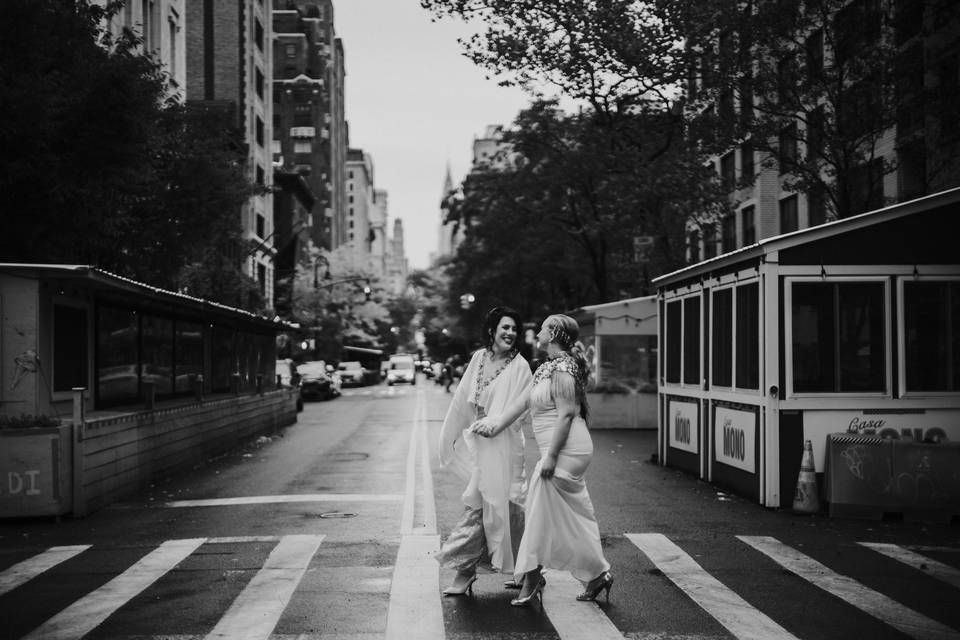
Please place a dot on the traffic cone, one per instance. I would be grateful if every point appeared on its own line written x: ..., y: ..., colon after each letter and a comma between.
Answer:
x: 806, y: 499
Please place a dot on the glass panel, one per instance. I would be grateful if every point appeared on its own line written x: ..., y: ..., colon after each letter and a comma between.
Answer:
x: 117, y: 372
x: 69, y: 347
x: 221, y: 358
x: 722, y: 338
x: 928, y: 336
x: 748, y: 336
x: 861, y: 348
x: 691, y: 341
x: 189, y: 354
x: 628, y: 361
x: 673, y: 341
x: 157, y: 365
x: 814, y: 367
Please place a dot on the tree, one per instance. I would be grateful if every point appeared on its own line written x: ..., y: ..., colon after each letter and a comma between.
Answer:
x: 99, y: 166
x: 554, y: 229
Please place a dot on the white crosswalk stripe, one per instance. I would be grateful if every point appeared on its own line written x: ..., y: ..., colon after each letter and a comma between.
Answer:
x: 574, y: 620
x: 733, y: 612
x: 32, y: 567
x: 918, y: 561
x: 860, y: 596
x: 87, y: 613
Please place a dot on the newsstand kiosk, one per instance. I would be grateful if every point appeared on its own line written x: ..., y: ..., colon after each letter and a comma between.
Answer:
x: 846, y: 334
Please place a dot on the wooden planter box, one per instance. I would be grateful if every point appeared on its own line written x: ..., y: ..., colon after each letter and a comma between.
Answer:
x: 622, y: 410
x: 36, y: 471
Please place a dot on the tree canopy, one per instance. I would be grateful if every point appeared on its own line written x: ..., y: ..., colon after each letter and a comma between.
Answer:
x: 100, y: 165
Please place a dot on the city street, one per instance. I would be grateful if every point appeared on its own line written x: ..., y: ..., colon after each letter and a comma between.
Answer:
x: 326, y: 531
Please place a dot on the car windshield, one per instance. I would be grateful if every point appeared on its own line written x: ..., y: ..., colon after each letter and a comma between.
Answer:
x: 401, y: 364
x: 312, y: 368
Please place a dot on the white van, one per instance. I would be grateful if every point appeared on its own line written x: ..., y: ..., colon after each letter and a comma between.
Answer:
x: 402, y: 368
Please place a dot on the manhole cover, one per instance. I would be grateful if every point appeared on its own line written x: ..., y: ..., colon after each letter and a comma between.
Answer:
x: 337, y: 514
x: 348, y: 456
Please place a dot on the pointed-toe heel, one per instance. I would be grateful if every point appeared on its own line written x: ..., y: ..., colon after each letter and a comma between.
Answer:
x: 600, y: 584
x: 467, y: 589
x: 525, y: 601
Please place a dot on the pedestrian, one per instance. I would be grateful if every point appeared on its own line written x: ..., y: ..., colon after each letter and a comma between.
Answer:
x: 561, y: 530
x: 448, y: 373
x: 487, y: 535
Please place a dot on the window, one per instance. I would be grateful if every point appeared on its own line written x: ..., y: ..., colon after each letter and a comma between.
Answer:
x: 748, y: 225
x: 725, y: 108
x: 260, y: 135
x: 788, y: 214
x: 351, y: 236
x: 69, y: 347
x: 728, y: 171
x: 729, y: 233
x: 261, y: 177
x: 748, y: 336
x: 302, y: 147
x: 350, y: 199
x: 350, y: 211
x: 258, y: 34
x: 786, y: 81
x: 258, y: 82
x: 814, y: 51
x: 221, y: 358
x: 262, y: 279
x: 691, y: 340
x: 931, y: 322
x: 350, y: 174
x: 838, y: 337
x: 787, y: 156
x: 721, y: 338
x: 261, y: 226
x: 746, y: 162
x: 349, y: 186
x: 746, y: 100
x: 291, y: 50
x: 857, y: 25
x: 188, y: 354
x: 709, y: 241
x: 815, y: 132
x: 156, y: 334
x: 693, y: 243
x: 350, y: 225
x: 118, y: 374
x: 816, y: 207
x: 674, y: 341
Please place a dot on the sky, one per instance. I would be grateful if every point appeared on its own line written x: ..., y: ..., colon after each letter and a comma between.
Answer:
x: 415, y: 104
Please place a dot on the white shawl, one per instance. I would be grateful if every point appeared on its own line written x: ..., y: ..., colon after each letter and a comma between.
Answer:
x: 492, y: 467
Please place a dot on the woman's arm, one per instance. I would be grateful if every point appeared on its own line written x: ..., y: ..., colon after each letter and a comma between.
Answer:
x: 566, y: 412
x: 492, y: 425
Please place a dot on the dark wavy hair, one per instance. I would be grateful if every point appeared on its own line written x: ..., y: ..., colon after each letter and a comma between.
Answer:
x: 492, y: 321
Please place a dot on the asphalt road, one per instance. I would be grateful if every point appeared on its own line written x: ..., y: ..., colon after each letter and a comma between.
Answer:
x: 325, y: 530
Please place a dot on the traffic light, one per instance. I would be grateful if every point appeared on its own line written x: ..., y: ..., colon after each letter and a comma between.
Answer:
x: 367, y: 291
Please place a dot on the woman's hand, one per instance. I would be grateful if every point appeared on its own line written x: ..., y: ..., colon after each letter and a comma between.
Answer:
x: 548, y: 464
x: 486, y: 427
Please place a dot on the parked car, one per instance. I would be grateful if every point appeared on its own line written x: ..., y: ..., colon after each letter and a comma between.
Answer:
x: 286, y: 371
x: 402, y: 368
x: 351, y: 373
x: 316, y: 382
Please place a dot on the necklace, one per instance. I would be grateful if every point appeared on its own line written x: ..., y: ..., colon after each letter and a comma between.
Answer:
x: 483, y: 383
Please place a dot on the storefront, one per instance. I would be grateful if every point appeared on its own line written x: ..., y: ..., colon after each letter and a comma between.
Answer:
x: 848, y: 327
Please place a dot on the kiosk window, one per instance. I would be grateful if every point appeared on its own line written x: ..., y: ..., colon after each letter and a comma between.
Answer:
x: 748, y: 336
x: 673, y: 341
x: 118, y: 337
x: 838, y: 337
x: 722, y: 338
x: 188, y: 353
x: 691, y: 341
x: 69, y: 347
x: 932, y: 335
x: 157, y: 336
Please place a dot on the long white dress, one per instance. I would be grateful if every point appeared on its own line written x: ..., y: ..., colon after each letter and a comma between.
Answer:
x: 493, y: 468
x: 561, y: 530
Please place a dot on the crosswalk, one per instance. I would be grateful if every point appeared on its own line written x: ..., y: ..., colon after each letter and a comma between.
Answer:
x: 415, y: 602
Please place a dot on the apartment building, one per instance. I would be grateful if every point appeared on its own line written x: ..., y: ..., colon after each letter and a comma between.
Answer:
x: 229, y: 59
x: 160, y: 23
x: 379, y: 238
x: 360, y: 205
x: 888, y: 135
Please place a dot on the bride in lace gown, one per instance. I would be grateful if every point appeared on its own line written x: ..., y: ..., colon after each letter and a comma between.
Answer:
x: 561, y: 529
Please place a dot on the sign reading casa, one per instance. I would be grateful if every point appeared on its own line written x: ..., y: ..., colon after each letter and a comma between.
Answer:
x: 684, y: 426
x: 734, y: 433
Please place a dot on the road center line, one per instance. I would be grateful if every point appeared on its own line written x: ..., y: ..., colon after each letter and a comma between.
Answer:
x: 415, y: 609
x: 30, y: 568
x: 426, y: 477
x: 736, y: 614
x: 87, y: 613
x: 256, y: 611
x: 919, y: 562
x: 306, y: 497
x: 859, y: 595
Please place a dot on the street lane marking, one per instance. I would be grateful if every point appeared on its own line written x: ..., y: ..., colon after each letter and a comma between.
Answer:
x: 81, y: 617
x: 571, y: 619
x: 415, y: 609
x: 426, y: 477
x: 256, y: 611
x: 306, y: 497
x: 30, y: 568
x: 919, y: 562
x: 729, y: 609
x: 855, y: 593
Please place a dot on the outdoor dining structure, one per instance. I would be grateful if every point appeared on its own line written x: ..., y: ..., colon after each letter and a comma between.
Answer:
x: 846, y: 334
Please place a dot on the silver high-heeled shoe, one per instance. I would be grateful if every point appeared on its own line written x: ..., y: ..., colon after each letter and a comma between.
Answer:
x: 603, y: 582
x: 525, y: 600
x: 453, y: 590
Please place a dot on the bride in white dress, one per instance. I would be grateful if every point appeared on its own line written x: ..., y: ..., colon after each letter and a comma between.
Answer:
x: 561, y: 528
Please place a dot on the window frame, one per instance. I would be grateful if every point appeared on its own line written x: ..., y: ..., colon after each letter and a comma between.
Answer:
x: 682, y: 300
x: 788, y: 283
x: 733, y: 287
x: 901, y: 311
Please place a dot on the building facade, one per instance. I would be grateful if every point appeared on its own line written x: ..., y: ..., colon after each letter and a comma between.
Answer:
x: 228, y: 64
x: 360, y: 204
x: 161, y: 24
